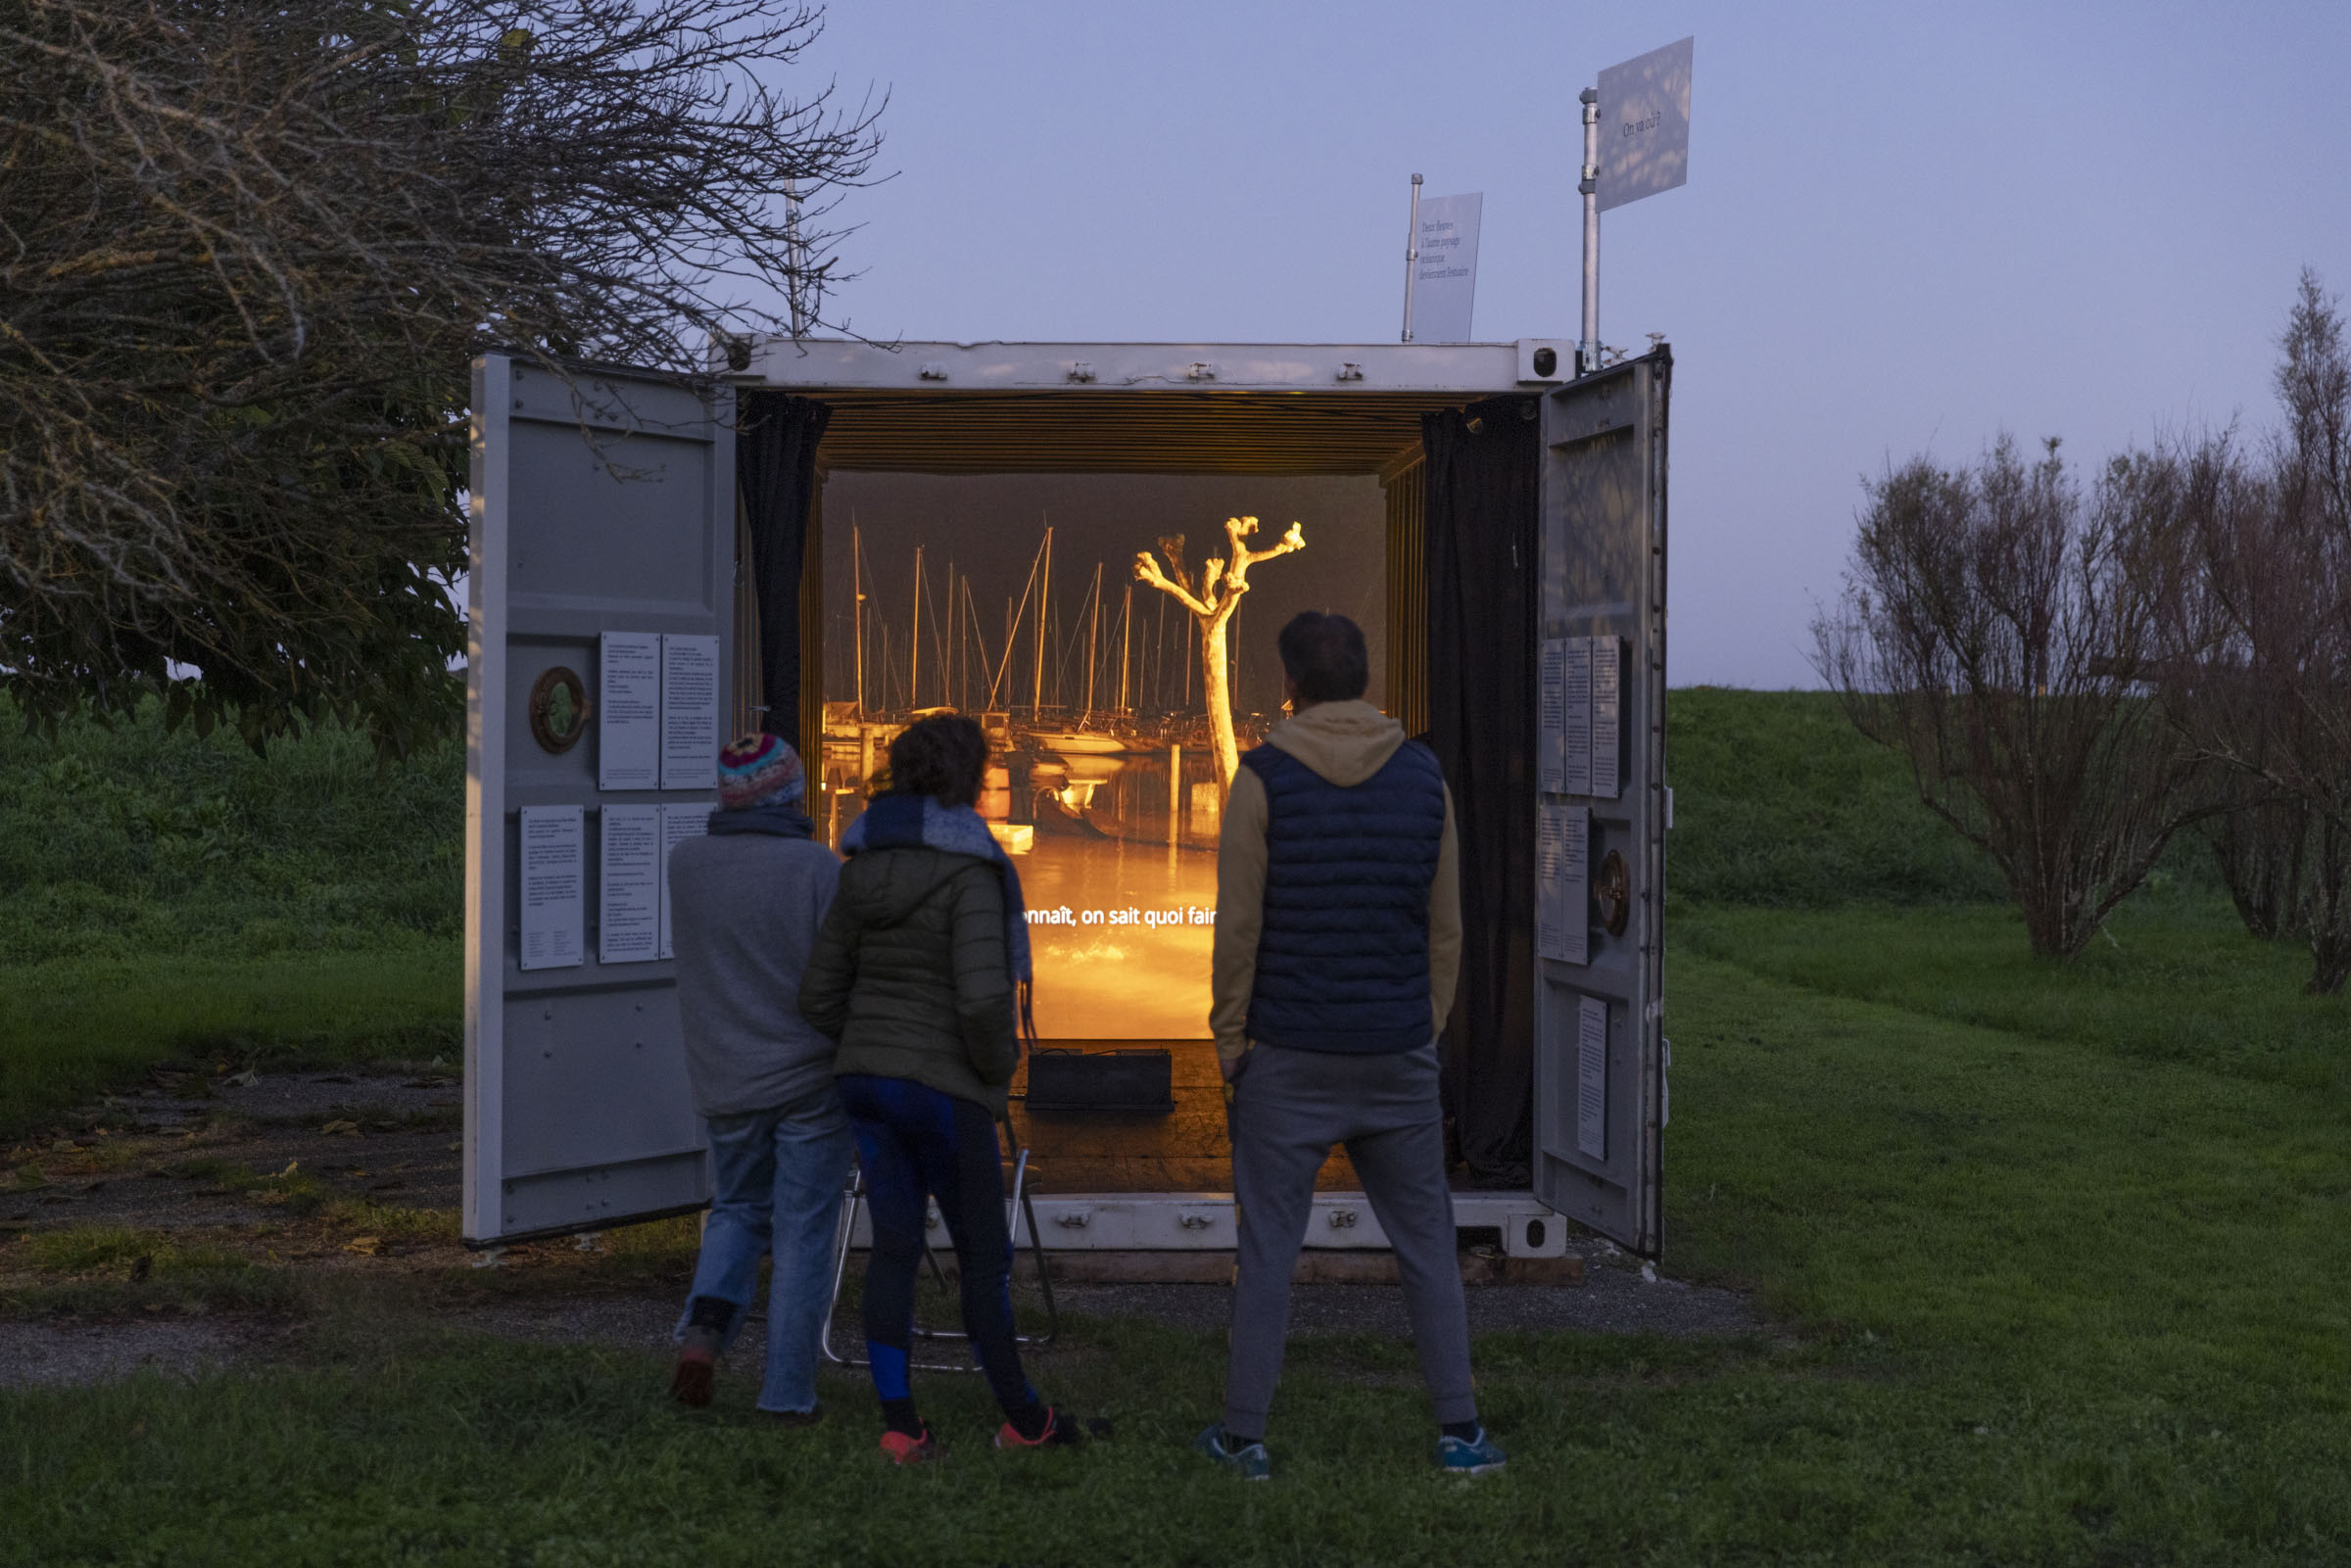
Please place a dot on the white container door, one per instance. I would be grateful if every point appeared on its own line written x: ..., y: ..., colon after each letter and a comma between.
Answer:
x: 599, y: 609
x: 1600, y: 1057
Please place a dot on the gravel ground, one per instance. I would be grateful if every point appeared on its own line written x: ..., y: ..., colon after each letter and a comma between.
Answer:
x: 1612, y: 1300
x: 50, y: 1353
x: 395, y: 1142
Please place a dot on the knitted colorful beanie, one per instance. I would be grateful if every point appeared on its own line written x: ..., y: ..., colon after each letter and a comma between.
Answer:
x: 755, y: 770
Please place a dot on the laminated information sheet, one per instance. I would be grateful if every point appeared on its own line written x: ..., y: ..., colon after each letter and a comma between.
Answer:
x: 1608, y: 671
x: 1592, y: 1077
x: 1575, y: 728
x: 629, y: 908
x: 684, y: 820
x: 1563, y: 883
x: 628, y: 711
x: 552, y: 872
x: 1551, y: 748
x: 689, y: 712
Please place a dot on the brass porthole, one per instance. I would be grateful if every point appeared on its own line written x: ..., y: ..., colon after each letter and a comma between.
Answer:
x: 559, y: 710
x: 1613, y: 891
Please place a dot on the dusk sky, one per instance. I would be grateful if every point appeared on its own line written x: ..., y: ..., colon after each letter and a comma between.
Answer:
x: 1906, y: 229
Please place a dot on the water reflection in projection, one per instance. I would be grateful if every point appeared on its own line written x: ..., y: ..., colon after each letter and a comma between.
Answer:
x: 1133, y: 981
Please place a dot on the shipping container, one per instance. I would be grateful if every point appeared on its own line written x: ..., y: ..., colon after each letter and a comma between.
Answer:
x: 839, y: 537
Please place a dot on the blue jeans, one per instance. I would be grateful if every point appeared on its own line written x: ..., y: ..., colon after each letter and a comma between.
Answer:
x: 914, y: 1140
x: 780, y: 1178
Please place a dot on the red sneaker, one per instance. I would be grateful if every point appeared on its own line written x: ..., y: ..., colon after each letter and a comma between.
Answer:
x: 901, y: 1448
x: 1059, y: 1433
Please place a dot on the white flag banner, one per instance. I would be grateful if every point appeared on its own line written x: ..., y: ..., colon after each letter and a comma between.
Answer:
x: 1645, y: 126
x: 1445, y: 278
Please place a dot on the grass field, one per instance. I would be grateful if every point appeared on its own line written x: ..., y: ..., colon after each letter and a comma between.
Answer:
x: 2041, y: 1301
x: 2057, y: 1259
x: 172, y: 896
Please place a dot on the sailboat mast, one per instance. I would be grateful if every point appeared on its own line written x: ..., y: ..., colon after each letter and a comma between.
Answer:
x: 1037, y: 695
x: 857, y: 580
x: 1094, y: 642
x: 1125, y: 644
x: 914, y: 669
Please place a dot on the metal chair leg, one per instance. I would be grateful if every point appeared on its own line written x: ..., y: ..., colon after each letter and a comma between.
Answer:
x: 1022, y: 1205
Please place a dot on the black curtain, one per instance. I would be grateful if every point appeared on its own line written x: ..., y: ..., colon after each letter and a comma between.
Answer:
x: 775, y: 471
x: 1483, y: 605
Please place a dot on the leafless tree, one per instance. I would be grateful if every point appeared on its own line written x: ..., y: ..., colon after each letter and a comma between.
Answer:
x: 246, y: 253
x: 2260, y: 673
x: 1996, y: 630
x: 1212, y: 601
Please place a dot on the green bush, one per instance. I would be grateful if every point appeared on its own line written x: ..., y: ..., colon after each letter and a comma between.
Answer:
x: 124, y: 841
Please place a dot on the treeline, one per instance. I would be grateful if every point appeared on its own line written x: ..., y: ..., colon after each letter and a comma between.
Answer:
x: 2077, y: 674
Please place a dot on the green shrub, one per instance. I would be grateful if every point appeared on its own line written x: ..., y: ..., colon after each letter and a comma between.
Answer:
x: 125, y: 841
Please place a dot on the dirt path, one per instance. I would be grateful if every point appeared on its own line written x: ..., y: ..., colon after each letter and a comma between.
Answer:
x: 199, y: 1221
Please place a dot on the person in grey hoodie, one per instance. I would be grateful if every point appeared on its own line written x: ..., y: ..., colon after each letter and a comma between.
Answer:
x: 1338, y: 940
x: 746, y: 901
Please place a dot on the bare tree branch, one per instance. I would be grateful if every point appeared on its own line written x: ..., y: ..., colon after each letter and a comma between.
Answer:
x: 245, y: 255
x: 1998, y: 629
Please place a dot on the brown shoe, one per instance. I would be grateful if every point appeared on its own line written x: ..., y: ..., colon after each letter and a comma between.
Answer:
x: 696, y: 1375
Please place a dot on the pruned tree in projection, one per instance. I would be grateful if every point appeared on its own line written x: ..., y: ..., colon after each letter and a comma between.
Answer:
x: 1212, y: 601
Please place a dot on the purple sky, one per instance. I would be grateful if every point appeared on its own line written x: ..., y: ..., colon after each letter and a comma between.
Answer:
x: 1906, y: 227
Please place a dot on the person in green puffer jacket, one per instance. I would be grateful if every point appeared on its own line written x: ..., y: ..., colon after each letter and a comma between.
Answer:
x: 921, y: 972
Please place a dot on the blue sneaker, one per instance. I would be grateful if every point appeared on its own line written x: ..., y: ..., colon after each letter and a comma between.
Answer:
x: 1477, y: 1456
x: 1248, y: 1462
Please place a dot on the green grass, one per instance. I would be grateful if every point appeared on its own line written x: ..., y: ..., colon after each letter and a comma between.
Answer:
x: 174, y: 896
x: 126, y: 842
x: 2044, y: 1297
x: 2172, y: 979
x: 72, y: 1028
x: 1780, y: 801
x: 2059, y: 1255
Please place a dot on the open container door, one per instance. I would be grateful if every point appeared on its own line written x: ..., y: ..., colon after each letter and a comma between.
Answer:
x: 603, y: 551
x: 1599, y: 1052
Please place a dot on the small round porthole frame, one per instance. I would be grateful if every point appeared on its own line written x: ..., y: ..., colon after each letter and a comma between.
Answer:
x: 1613, y: 891
x: 542, y: 701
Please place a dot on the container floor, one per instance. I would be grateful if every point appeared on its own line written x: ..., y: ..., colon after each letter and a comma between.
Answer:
x: 1184, y: 1151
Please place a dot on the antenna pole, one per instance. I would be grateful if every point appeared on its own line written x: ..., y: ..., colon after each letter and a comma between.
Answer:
x: 1587, y: 351
x: 1411, y: 251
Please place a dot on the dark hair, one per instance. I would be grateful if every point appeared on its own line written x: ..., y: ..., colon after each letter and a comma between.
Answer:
x: 943, y: 756
x: 1325, y: 655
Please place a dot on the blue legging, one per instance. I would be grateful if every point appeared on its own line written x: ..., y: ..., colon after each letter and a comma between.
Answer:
x: 914, y: 1141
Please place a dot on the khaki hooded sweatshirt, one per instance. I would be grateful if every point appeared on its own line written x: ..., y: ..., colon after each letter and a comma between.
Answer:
x: 1345, y: 743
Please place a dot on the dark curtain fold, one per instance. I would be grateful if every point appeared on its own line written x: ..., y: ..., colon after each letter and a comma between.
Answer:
x: 1483, y: 606
x: 775, y: 472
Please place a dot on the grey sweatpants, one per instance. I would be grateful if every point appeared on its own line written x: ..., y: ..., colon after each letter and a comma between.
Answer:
x: 1288, y: 1108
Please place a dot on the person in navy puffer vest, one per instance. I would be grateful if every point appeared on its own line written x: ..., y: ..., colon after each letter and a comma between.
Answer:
x: 1338, y: 939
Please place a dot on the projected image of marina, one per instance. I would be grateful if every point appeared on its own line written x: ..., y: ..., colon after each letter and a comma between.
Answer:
x: 1115, y: 637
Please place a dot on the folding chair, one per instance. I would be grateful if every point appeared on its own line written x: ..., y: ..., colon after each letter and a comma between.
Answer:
x: 1020, y: 1206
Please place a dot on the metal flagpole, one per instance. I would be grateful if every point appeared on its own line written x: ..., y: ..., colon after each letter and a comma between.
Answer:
x: 797, y: 296
x: 1412, y: 250
x: 1587, y: 351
